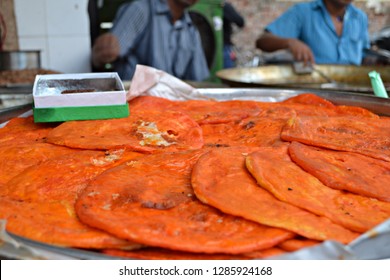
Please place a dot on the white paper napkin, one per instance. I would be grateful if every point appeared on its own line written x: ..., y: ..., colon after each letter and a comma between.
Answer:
x: 151, y: 81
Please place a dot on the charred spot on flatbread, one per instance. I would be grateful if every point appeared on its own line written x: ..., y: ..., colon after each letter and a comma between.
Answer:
x: 144, y: 131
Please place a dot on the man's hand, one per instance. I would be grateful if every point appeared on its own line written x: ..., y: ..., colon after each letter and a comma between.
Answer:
x: 105, y: 50
x: 300, y: 51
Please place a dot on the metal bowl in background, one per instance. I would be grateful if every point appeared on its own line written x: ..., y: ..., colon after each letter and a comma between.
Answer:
x: 347, y: 77
x: 20, y: 60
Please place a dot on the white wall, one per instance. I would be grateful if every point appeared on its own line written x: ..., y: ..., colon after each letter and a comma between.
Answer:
x: 59, y: 28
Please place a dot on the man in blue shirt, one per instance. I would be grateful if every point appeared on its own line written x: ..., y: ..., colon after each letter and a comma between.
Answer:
x: 322, y: 31
x: 157, y: 33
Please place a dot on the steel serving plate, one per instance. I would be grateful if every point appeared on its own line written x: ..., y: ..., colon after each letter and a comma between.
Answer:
x: 375, y: 244
x: 348, y: 78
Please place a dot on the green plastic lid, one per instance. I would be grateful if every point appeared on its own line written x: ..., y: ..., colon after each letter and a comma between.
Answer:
x: 377, y: 84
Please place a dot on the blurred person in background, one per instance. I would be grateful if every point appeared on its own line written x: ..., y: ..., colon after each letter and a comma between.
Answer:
x: 321, y: 31
x: 156, y: 33
x: 230, y: 17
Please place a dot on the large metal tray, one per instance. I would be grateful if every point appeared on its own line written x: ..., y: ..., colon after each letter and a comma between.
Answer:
x: 346, y: 77
x: 374, y: 244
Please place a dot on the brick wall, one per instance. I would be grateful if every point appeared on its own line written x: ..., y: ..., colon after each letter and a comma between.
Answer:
x: 258, y: 13
x: 7, y: 13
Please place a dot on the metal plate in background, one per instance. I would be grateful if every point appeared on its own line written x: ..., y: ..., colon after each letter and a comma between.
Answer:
x: 16, y: 247
x: 347, y: 77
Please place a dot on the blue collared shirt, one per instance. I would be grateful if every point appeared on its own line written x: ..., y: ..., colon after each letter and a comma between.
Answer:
x: 147, y: 36
x: 312, y: 24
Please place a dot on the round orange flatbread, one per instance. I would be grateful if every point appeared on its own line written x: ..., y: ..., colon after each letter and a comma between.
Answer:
x: 20, y: 130
x: 366, y: 136
x: 55, y: 223
x: 276, y: 172
x: 62, y: 178
x: 221, y: 179
x: 214, y: 112
x: 347, y: 171
x: 309, y: 104
x: 152, y: 202
x: 202, y: 111
x: 250, y: 132
x: 18, y: 156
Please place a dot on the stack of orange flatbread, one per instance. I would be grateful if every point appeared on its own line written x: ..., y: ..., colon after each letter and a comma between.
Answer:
x: 198, y: 179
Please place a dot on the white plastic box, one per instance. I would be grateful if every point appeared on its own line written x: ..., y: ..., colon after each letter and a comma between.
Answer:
x: 63, y: 97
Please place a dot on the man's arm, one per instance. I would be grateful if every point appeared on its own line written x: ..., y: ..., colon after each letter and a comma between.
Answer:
x: 283, y: 33
x: 269, y: 42
x: 130, y: 21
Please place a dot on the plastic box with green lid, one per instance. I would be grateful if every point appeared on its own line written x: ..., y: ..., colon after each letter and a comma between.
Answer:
x: 84, y: 96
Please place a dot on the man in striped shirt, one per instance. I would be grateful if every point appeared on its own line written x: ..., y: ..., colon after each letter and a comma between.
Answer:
x: 157, y: 33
